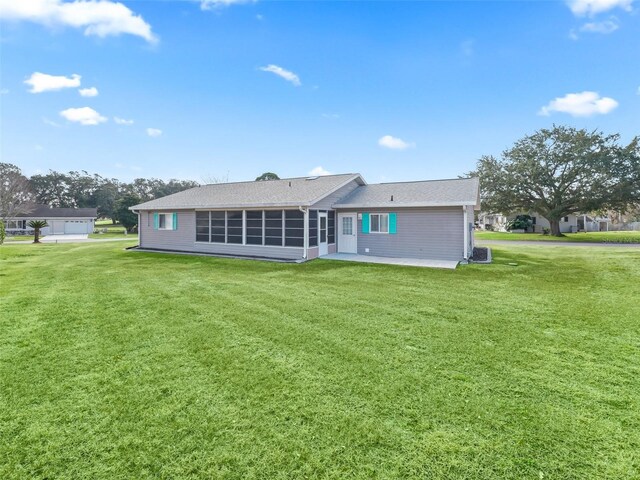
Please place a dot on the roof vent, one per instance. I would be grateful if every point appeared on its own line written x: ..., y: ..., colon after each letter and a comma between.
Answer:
x: 289, y: 183
x: 312, y: 178
x: 392, y: 198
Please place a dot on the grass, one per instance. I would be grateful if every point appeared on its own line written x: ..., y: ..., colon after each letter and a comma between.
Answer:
x: 588, y: 237
x: 118, y: 364
x: 112, y: 230
x: 16, y: 238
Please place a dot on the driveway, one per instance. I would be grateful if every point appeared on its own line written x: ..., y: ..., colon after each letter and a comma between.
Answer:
x: 65, y: 238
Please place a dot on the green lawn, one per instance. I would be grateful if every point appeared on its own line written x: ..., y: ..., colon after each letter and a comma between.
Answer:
x: 113, y: 234
x: 117, y: 364
x: 112, y: 230
x: 589, y: 237
x: 17, y: 238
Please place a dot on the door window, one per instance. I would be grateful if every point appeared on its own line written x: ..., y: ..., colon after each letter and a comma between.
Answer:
x: 347, y: 225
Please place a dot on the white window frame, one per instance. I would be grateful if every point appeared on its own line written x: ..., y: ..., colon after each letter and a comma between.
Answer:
x: 380, y: 216
x: 168, y: 221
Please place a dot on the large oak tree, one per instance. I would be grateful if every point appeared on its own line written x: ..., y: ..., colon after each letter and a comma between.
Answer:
x: 560, y: 171
x: 15, y: 192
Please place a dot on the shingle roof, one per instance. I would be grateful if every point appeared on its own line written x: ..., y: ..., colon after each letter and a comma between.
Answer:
x: 302, y: 191
x: 429, y: 193
x: 44, y: 211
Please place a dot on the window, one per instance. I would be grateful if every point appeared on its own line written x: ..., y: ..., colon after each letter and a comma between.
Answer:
x: 273, y: 227
x: 379, y: 223
x: 254, y: 227
x: 566, y: 219
x: 234, y: 227
x: 218, y: 231
x: 347, y: 225
x: 313, y: 228
x: 293, y: 228
x: 203, y: 228
x: 165, y: 221
x: 331, y: 220
x: 533, y: 220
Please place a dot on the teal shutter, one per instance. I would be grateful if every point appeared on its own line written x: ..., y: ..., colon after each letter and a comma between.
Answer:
x: 175, y: 221
x: 365, y: 223
x: 156, y: 221
x: 392, y: 223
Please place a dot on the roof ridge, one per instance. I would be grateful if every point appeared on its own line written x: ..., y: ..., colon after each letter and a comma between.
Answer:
x: 279, y: 179
x: 424, y: 181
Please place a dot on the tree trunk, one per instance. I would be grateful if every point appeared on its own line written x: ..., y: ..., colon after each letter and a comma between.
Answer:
x: 36, y: 236
x: 555, y: 228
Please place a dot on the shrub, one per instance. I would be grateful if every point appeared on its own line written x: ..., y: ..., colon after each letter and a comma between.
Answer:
x: 521, y: 222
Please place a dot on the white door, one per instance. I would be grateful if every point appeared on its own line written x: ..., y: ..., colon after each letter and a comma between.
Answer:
x: 347, y: 233
x: 323, y: 243
x: 75, y: 226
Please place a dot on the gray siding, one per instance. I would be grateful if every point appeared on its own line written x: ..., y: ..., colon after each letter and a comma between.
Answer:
x: 184, y: 239
x: 431, y: 233
x: 327, y: 202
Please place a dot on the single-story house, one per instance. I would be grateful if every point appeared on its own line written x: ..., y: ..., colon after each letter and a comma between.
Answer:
x: 572, y: 223
x: 308, y: 217
x: 59, y: 220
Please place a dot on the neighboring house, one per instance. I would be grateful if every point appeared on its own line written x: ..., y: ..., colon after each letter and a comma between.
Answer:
x: 570, y: 223
x: 59, y: 220
x: 492, y: 221
x: 304, y: 218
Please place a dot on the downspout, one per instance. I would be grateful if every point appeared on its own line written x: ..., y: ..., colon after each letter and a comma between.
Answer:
x: 465, y: 217
x: 306, y: 232
x: 139, y: 227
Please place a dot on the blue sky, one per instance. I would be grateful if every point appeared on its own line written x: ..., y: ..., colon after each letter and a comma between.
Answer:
x: 393, y: 90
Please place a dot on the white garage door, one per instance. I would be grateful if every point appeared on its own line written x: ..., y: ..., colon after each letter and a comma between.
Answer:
x: 75, y: 226
x: 57, y: 227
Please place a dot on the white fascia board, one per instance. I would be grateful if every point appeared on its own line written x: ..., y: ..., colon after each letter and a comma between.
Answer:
x: 400, y: 205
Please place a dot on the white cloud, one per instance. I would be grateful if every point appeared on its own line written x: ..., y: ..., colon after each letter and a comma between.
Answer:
x: 281, y: 72
x: 467, y: 48
x: 154, y: 132
x: 394, y: 143
x: 4, y: 91
x: 590, y: 8
x: 638, y: 91
x: 50, y: 122
x: 83, y: 116
x: 100, y: 18
x: 41, y: 82
x: 582, y: 104
x: 605, y: 27
x: 211, y: 4
x: 122, y: 121
x: 319, y: 171
x: 88, y: 92
x: 331, y: 115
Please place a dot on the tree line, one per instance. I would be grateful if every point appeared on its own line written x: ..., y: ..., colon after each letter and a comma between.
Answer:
x: 79, y: 189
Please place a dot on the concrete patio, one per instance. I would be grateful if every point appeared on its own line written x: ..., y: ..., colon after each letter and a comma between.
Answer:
x: 409, y: 262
